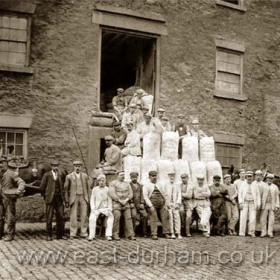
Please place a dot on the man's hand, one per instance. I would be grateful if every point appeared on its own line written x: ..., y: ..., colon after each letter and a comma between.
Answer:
x: 66, y: 204
x: 132, y: 205
x: 241, y: 206
x: 152, y: 209
x: 177, y: 206
x: 141, y: 206
x: 276, y: 209
x: 258, y: 207
x: 106, y: 164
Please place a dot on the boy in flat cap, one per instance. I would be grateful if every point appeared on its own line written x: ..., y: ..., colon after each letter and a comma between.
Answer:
x: 270, y: 204
x: 51, y: 188
x: 138, y: 210
x: 101, y: 204
x: 121, y: 194
x: 231, y: 205
x: 77, y: 192
x: 218, y: 205
x: 155, y: 199
x: 249, y: 202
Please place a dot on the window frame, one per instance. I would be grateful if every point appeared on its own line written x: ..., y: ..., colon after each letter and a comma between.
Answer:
x: 25, y: 138
x: 239, y: 6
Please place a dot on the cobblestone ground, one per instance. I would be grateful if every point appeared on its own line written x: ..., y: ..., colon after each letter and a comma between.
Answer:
x: 229, y: 257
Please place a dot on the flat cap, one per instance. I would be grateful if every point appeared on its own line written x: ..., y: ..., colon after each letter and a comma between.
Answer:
x: 152, y: 173
x: 184, y: 175
x: 120, y: 90
x: 109, y: 137
x: 249, y: 173
x: 132, y: 105
x: 101, y: 177
x: 196, y: 121
x: 54, y: 162
x: 149, y: 115
x: 258, y: 172
x: 227, y: 176
x: 161, y: 110
x: 270, y: 176
x: 134, y: 174
x: 77, y: 162
x: 181, y: 116
x: 171, y: 172
x: 2, y: 159
x: 217, y: 177
x: 200, y: 177
x: 120, y: 171
x: 241, y: 171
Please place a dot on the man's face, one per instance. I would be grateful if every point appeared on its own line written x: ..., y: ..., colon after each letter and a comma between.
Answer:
x: 101, y: 182
x: 185, y: 179
x: 216, y: 182
x: 117, y: 128
x: 195, y: 126
x: 148, y: 119
x: 242, y: 175
x: 54, y: 167
x: 258, y: 178
x: 132, y: 109
x: 249, y: 178
x: 129, y: 127
x: 121, y: 176
x: 3, y: 165
x: 120, y: 92
x: 160, y: 114
x: 269, y: 181
x: 180, y: 121
x: 134, y: 179
x: 153, y: 178
x: 77, y: 168
x: 200, y: 181
x: 227, y: 180
x: 109, y: 142
x: 171, y: 178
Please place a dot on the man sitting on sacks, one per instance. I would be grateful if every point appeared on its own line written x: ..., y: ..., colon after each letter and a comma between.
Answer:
x: 119, y: 134
x: 138, y: 211
x: 137, y: 98
x: 112, y: 156
x: 132, y: 142
x: 101, y: 204
x: 119, y: 103
x: 149, y: 125
x: 173, y: 202
x: 201, y: 195
x: 121, y: 194
x: 195, y: 131
x: 155, y: 199
x: 187, y: 205
x: 162, y: 119
x: 133, y: 115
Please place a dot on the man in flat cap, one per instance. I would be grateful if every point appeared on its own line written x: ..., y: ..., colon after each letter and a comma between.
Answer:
x: 249, y: 202
x: 269, y: 205
x: 51, y: 188
x: 195, y: 131
x: 155, y: 199
x: 132, y: 143
x: 237, y: 183
x: 112, y: 155
x: 201, y: 195
x: 101, y: 204
x: 218, y: 206
x: 131, y: 116
x: 187, y: 206
x: 137, y: 98
x: 139, y: 213
x: 161, y: 119
x: 119, y: 134
x: 165, y: 123
x: 119, y: 97
x: 231, y: 205
x: 77, y: 192
x: 173, y: 203
x: 121, y: 194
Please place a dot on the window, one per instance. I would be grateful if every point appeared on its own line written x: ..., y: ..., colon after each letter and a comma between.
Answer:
x: 234, y: 4
x: 229, y: 70
x: 13, y: 142
x: 14, y: 40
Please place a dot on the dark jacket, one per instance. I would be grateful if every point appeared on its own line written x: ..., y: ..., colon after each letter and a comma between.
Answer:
x: 137, y: 195
x: 47, y: 186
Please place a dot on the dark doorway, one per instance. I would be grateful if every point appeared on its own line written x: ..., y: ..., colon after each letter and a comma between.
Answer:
x: 127, y: 60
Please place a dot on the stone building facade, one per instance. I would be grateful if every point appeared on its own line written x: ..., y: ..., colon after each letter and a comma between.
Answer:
x: 217, y: 60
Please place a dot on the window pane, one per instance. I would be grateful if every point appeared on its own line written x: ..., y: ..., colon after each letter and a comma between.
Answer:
x: 3, y: 136
x: 19, y: 138
x: 19, y: 150
x: 11, y: 138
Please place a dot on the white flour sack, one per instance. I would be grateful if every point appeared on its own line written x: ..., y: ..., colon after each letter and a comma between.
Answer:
x: 147, y: 166
x: 164, y: 167
x: 169, y: 146
x: 131, y: 164
x: 213, y: 168
x: 181, y: 166
x: 151, y: 146
x: 148, y: 101
x: 198, y: 169
x: 190, y: 149
x: 207, y: 149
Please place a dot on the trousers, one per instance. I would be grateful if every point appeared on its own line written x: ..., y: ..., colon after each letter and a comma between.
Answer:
x: 175, y: 221
x: 204, y: 212
x: 248, y: 212
x: 78, y: 202
x: 233, y: 215
x: 93, y: 219
x: 267, y: 221
x: 9, y: 208
x: 140, y: 214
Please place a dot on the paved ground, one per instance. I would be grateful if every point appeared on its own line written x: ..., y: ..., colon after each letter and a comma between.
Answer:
x: 221, y: 258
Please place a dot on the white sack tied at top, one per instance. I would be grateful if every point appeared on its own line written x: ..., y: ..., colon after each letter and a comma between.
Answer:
x: 147, y: 166
x: 180, y: 167
x: 190, y: 149
x: 207, y: 149
x: 131, y: 164
x: 170, y: 145
x: 151, y: 146
x: 164, y: 167
x: 148, y: 102
x: 213, y: 168
x: 198, y: 169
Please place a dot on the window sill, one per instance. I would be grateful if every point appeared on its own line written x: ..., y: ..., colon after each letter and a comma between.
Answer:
x: 232, y: 6
x: 227, y: 95
x: 26, y: 70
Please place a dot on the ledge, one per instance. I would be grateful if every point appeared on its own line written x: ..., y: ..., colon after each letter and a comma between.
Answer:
x: 230, y: 45
x: 229, y: 138
x: 24, y: 70
x: 232, y: 6
x: 18, y: 6
x: 15, y: 120
x: 226, y: 95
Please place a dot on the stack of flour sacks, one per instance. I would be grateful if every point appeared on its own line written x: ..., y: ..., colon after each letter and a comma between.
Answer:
x: 160, y: 153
